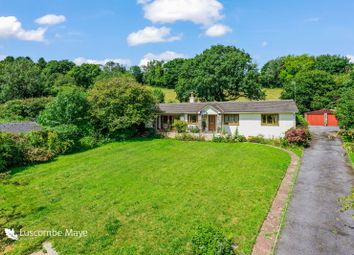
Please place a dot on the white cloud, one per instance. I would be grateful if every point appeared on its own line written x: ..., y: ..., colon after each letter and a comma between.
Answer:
x: 166, y: 56
x: 264, y: 44
x: 81, y: 60
x: 51, y: 19
x: 204, y: 12
x: 351, y: 58
x: 151, y: 35
x: 217, y: 30
x: 10, y: 26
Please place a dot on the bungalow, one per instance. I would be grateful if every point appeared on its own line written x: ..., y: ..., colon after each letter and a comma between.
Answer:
x: 268, y: 118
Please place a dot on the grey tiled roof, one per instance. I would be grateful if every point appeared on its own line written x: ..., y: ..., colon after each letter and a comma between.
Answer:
x: 284, y: 106
x: 19, y: 127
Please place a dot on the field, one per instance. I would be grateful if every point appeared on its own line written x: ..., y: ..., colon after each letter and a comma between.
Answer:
x: 143, y: 197
x: 271, y: 94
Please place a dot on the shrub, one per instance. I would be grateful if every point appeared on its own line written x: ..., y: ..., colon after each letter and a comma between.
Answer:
x: 64, y: 139
x: 189, y: 137
x: 180, y: 126
x: 38, y: 154
x: 25, y: 109
x: 120, y: 104
x: 158, y: 95
x: 70, y: 107
x: 347, y: 135
x: 194, y: 129
x: 209, y: 240
x: 257, y: 139
x: 301, y: 121
x: 12, y: 151
x: 88, y: 142
x: 298, y: 136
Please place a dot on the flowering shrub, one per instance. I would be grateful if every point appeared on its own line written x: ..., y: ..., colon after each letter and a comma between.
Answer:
x: 298, y: 136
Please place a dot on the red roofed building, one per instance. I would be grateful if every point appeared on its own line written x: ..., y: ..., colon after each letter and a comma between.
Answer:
x: 322, y: 117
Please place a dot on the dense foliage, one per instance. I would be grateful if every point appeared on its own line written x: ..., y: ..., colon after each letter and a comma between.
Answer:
x: 23, y: 109
x: 70, y: 107
x: 120, y: 106
x: 209, y: 240
x: 345, y: 109
x: 218, y: 74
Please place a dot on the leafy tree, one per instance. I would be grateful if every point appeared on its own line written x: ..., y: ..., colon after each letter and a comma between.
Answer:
x: 295, y: 64
x: 158, y: 95
x: 85, y: 74
x: 333, y: 64
x: 55, y: 70
x: 120, y: 105
x: 70, y: 107
x: 345, y: 109
x: 270, y: 74
x: 154, y: 74
x: 114, y: 67
x: 137, y: 73
x: 312, y: 90
x: 20, y: 78
x: 41, y: 63
x: 172, y: 70
x: 218, y: 74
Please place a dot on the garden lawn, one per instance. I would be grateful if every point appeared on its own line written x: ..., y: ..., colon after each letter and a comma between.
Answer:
x: 143, y: 197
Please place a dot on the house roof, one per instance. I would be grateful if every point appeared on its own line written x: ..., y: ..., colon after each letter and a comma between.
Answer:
x: 19, y: 127
x: 320, y: 112
x: 231, y: 107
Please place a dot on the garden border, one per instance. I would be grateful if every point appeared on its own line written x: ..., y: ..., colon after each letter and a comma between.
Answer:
x: 269, y: 232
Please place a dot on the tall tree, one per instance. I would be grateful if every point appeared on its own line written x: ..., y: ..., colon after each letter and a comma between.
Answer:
x: 20, y: 78
x: 270, y: 74
x: 333, y: 64
x: 137, y: 73
x: 312, y: 90
x: 295, y: 64
x: 219, y: 73
x: 154, y: 74
x: 172, y: 70
x: 85, y: 74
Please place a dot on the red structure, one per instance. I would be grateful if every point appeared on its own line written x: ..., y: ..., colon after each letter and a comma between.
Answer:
x: 322, y: 117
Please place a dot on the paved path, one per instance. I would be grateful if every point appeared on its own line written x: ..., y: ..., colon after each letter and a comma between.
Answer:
x: 314, y: 225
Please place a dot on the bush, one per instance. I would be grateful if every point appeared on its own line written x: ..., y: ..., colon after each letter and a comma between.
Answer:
x: 194, y: 129
x: 347, y: 135
x: 209, y: 240
x: 38, y: 154
x: 298, y: 136
x: 301, y: 121
x: 26, y: 109
x: 64, y: 139
x: 12, y: 151
x: 257, y: 139
x: 70, y: 107
x: 180, y: 126
x: 120, y: 104
x: 189, y: 137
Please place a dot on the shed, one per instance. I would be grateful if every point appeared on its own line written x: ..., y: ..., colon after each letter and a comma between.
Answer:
x: 323, y: 117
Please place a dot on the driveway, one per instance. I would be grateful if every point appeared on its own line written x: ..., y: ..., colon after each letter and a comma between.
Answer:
x: 314, y: 224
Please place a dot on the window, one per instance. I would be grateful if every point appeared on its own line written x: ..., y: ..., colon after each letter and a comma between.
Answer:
x: 192, y: 118
x: 231, y: 119
x: 270, y: 119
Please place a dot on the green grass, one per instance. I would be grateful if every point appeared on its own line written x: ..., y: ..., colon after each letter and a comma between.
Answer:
x: 271, y: 94
x: 170, y: 94
x: 144, y: 197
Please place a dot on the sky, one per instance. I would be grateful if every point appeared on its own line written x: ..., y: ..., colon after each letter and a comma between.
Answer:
x: 134, y: 32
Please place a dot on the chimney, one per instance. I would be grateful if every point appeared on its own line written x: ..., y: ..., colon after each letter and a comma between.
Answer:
x: 192, y: 98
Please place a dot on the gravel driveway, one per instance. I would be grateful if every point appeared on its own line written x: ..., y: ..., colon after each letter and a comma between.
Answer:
x: 313, y: 224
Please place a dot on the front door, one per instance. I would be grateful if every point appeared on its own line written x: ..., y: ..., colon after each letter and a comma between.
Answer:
x: 211, y: 123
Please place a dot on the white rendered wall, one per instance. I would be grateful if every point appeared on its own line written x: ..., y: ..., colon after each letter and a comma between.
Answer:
x: 250, y: 125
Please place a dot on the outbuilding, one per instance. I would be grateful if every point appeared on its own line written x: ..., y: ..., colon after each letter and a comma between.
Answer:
x: 322, y: 117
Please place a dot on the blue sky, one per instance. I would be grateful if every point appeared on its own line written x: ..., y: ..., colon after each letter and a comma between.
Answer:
x: 134, y: 31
